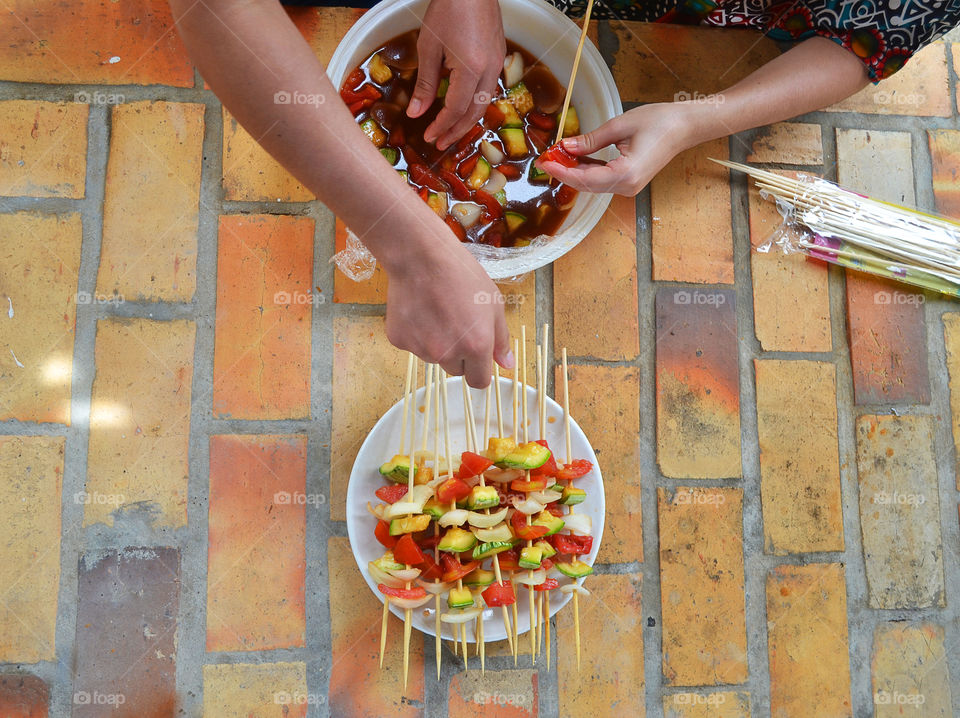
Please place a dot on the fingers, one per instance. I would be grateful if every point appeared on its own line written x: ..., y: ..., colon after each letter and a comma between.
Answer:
x: 428, y: 74
x: 478, y: 372
x: 608, y: 133
x: 460, y: 110
x: 588, y: 178
x: 501, y: 341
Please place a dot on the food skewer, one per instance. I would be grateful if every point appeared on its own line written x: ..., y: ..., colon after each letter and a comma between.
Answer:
x: 411, y: 471
x: 496, y: 565
x: 573, y: 72
x: 526, y: 474
x: 540, y: 423
x: 543, y: 434
x: 569, y: 457
x: 516, y: 438
x: 431, y: 375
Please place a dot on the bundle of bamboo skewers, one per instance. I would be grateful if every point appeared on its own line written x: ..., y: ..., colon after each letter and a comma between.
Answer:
x: 837, y: 225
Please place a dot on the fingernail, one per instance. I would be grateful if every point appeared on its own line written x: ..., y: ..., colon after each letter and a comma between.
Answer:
x: 414, y: 107
x: 571, y: 143
x: 509, y: 361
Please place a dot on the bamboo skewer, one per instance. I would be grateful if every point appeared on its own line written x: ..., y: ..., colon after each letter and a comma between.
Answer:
x: 408, y: 613
x: 540, y: 424
x: 526, y: 474
x: 516, y: 438
x: 438, y: 626
x: 470, y: 428
x: 496, y: 561
x: 573, y: 71
x: 543, y: 431
x: 566, y: 436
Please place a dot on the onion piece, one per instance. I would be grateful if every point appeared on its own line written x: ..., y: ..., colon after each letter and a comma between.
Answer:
x: 380, y: 576
x: 502, y: 476
x: 545, y: 497
x: 486, y: 521
x: 466, y: 213
x: 571, y: 587
x: 490, y: 153
x: 495, y: 182
x: 433, y: 588
x: 580, y: 524
x: 405, y: 574
x: 410, y: 503
x: 440, y: 466
x: 407, y: 603
x: 512, y: 69
x: 455, y: 517
x: 530, y: 578
x: 376, y: 511
x: 500, y: 532
x: 528, y: 506
x: 462, y: 616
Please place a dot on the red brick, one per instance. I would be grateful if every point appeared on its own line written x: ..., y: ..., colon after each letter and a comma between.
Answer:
x: 256, y: 556
x: 256, y: 690
x: 598, y: 279
x: 799, y: 459
x: 23, y: 696
x: 698, y: 383
x: 348, y: 291
x: 265, y: 294
x: 127, y: 612
x: 807, y: 641
x: 692, y: 238
x: 909, y: 670
x: 701, y: 586
x: 358, y: 687
x: 494, y: 694
x: 945, y: 157
x: 76, y: 43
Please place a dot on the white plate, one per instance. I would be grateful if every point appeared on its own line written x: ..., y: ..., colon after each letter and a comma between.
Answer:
x: 381, y: 444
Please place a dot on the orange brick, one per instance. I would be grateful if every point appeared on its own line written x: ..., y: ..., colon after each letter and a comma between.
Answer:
x: 722, y: 704
x: 945, y: 157
x: 261, y: 359
x: 661, y: 62
x: 324, y: 27
x: 900, y: 511
x: 877, y: 163
x: 251, y: 174
x: 140, y: 420
x: 255, y: 690
x: 256, y: 556
x: 701, y: 586
x: 919, y: 89
x: 698, y: 384
x: 151, y: 201
x: 39, y: 264
x: 607, y: 401
x: 799, y: 459
x: 791, y: 294
x: 951, y: 337
x: 348, y: 291
x: 77, y: 44
x: 32, y: 467
x: 611, y: 616
x: 909, y: 670
x: 358, y: 687
x: 44, y: 150
x: 595, y: 289
x: 23, y: 696
x: 792, y: 143
x: 494, y: 694
x: 692, y: 239
x: 807, y: 641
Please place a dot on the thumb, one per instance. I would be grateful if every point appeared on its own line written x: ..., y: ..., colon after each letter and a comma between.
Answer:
x: 606, y: 134
x: 501, y: 342
x: 428, y: 76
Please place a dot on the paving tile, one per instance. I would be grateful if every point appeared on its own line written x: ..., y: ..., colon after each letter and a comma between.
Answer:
x: 662, y: 63
x: 495, y: 694
x: 799, y: 459
x: 791, y: 293
x: 324, y: 27
x: 698, y: 384
x: 701, y: 586
x: 945, y: 158
x: 358, y: 687
x: 128, y: 603
x: 32, y: 468
x: 807, y: 641
x: 722, y: 704
x: 955, y: 54
x: 607, y: 401
x: 611, y: 615
x: 140, y: 420
x: 23, y: 696
x: 900, y: 511
x: 256, y: 690
x: 367, y: 380
x: 149, y: 248
x: 256, y: 550
x: 790, y: 143
x: 265, y: 297
x: 595, y: 289
x: 951, y: 336
x: 920, y: 89
x: 77, y: 44
x: 692, y: 238
x: 44, y: 151
x: 250, y: 174
x: 348, y: 291
x: 909, y: 670
x: 887, y: 332
x: 39, y: 279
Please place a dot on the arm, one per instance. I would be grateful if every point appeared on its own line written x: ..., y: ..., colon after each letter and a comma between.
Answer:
x: 808, y: 77
x: 248, y: 50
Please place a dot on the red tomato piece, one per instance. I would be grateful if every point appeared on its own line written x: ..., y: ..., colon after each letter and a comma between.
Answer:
x: 524, y: 532
x: 407, y: 552
x: 428, y: 543
x: 429, y: 569
x: 565, y: 196
x: 452, y: 489
x: 382, y: 532
x: 354, y: 79
x: 558, y: 153
x: 424, y: 176
x: 549, y: 584
x: 412, y: 156
x: 555, y: 509
x: 538, y: 138
x: 572, y: 545
x: 511, y: 172
x: 494, y: 238
x: 453, y: 570
x: 549, y: 468
x: 424, y: 193
x: 369, y: 92
x: 392, y: 493
x: 398, y: 136
x: 468, y: 139
x: 574, y: 470
x: 509, y: 560
x: 546, y: 564
x: 541, y: 120
x: 493, y: 117
x: 472, y: 464
x: 356, y: 107
x: 456, y: 227
x: 534, y: 484
x: 497, y: 594
x: 457, y: 188
x: 415, y: 592
x: 489, y: 202
x: 466, y: 167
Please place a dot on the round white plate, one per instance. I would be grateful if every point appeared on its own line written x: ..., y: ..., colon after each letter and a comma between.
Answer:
x: 381, y: 444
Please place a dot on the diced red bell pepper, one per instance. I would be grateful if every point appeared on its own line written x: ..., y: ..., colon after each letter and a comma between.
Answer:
x: 453, y: 570
x: 511, y: 172
x: 489, y: 202
x: 456, y: 228
x: 509, y: 560
x: 534, y: 484
x: 382, y: 532
x: 472, y: 464
x: 453, y: 489
x: 572, y: 545
x: 466, y: 167
x: 407, y: 552
x: 354, y: 79
x: 524, y: 532
x: 548, y: 585
x: 391, y: 493
x: 457, y: 188
x: 574, y: 470
x: 424, y: 176
x: 493, y: 117
x: 429, y: 569
x: 559, y: 153
x: 497, y: 594
x: 541, y: 120
x: 414, y: 592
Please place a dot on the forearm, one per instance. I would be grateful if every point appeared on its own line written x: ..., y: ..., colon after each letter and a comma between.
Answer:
x: 813, y: 75
x: 248, y: 51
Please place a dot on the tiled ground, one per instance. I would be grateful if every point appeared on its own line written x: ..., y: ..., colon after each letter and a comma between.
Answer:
x: 783, y: 433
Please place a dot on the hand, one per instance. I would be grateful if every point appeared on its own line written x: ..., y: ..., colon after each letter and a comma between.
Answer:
x: 444, y: 308
x: 648, y: 138
x: 467, y: 37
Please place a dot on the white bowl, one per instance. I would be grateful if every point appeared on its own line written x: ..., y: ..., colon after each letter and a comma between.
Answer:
x: 552, y: 37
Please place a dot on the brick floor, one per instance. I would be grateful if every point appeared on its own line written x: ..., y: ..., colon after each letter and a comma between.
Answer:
x: 185, y: 382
